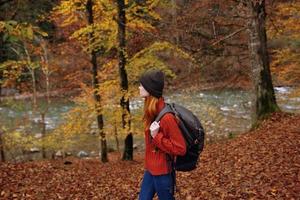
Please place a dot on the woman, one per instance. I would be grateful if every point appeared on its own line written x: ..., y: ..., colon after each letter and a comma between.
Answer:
x: 163, y: 140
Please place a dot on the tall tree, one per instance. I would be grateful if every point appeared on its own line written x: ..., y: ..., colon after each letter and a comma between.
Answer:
x: 124, y: 102
x: 2, y: 58
x: 97, y: 97
x: 2, y: 155
x: 22, y: 38
x: 43, y: 131
x: 265, y: 101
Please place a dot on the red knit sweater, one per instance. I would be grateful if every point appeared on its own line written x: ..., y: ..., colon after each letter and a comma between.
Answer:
x: 168, y: 140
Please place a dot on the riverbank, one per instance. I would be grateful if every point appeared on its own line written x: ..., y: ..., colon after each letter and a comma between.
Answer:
x: 261, y: 164
x: 170, y: 88
x: 52, y: 94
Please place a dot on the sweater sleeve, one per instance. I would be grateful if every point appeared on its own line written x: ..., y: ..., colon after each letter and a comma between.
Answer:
x: 169, y: 138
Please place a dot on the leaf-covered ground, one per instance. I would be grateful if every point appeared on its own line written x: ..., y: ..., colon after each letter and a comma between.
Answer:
x: 263, y: 164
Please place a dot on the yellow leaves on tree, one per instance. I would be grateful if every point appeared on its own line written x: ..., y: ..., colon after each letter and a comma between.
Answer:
x: 97, y: 37
x: 284, y: 31
x: 21, y: 31
x: 12, y: 70
x: 21, y: 36
x: 149, y: 58
x: 285, y: 21
x: 286, y: 64
x: 104, y: 29
x: 138, y: 16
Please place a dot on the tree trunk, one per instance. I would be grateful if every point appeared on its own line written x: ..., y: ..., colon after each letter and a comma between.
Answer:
x: 2, y: 154
x: 265, y: 101
x: 43, y: 135
x: 97, y: 97
x: 2, y: 58
x: 46, y: 70
x: 1, y: 77
x: 48, y: 88
x: 174, y: 23
x: 116, y: 136
x: 32, y: 72
x: 34, y: 90
x: 124, y: 102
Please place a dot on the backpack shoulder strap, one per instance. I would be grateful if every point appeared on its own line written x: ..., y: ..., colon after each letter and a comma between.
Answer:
x: 165, y: 110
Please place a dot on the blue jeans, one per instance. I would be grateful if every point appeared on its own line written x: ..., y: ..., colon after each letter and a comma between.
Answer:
x: 163, y: 185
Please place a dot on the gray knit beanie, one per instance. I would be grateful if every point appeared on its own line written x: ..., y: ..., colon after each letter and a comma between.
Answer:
x: 153, y: 81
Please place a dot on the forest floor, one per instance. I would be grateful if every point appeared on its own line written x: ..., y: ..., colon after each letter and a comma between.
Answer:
x: 261, y: 164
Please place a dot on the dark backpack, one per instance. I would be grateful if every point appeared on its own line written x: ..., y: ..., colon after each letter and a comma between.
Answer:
x: 192, y: 132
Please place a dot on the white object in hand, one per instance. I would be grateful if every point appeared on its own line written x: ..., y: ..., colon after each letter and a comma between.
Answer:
x: 154, y: 128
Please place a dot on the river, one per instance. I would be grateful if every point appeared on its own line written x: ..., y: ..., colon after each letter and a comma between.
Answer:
x: 222, y: 113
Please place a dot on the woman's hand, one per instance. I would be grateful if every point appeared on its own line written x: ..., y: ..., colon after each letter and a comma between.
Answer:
x: 154, y: 128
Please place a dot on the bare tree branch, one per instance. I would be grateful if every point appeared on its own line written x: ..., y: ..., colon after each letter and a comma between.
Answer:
x: 228, y: 36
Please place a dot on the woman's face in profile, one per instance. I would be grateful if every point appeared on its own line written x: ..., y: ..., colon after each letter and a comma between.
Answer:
x: 143, y: 91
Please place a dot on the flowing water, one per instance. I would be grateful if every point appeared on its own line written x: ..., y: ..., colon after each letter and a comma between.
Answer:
x: 225, y: 110
x: 222, y: 113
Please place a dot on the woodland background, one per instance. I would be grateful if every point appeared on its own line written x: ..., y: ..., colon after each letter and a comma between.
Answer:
x: 83, y: 51
x: 89, y: 55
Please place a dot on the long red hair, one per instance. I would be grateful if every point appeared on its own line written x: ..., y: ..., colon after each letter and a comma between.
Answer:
x: 150, y: 110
